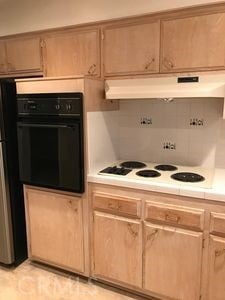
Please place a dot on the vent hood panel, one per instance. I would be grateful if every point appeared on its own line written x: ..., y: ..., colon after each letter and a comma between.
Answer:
x: 166, y: 87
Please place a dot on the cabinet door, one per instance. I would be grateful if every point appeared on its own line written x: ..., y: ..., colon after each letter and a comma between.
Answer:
x: 55, y: 229
x: 74, y: 53
x: 3, y: 60
x: 216, y: 268
x: 24, y: 55
x: 172, y: 262
x: 131, y: 49
x: 193, y: 43
x: 117, y: 249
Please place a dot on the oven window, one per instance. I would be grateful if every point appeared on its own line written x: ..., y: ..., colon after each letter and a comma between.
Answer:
x: 51, y: 155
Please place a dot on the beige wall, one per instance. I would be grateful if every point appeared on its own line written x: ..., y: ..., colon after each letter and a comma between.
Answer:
x: 29, y: 15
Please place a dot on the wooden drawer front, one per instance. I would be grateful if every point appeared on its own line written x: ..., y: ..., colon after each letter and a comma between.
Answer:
x: 217, y: 224
x: 175, y: 215
x: 117, y: 205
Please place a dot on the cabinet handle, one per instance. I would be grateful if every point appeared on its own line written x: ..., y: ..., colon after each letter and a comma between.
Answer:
x: 172, y: 218
x: 132, y: 231
x: 92, y: 69
x: 73, y: 206
x: 148, y: 65
x: 168, y: 64
x: 219, y: 252
x: 152, y: 235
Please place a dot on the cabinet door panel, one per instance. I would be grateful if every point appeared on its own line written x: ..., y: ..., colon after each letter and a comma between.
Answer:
x: 217, y: 268
x: 74, y: 53
x: 131, y: 49
x: 172, y: 262
x: 117, y: 249
x: 3, y: 59
x: 24, y: 55
x: 55, y: 229
x: 193, y: 43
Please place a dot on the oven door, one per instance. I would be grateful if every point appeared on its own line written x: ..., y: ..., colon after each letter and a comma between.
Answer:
x: 51, y: 155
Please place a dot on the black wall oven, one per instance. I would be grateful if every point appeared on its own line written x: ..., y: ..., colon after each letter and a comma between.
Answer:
x: 50, y: 140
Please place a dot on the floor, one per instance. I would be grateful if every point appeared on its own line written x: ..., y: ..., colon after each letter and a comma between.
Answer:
x: 29, y: 282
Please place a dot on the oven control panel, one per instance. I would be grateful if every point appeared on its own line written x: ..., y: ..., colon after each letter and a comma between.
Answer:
x: 54, y: 104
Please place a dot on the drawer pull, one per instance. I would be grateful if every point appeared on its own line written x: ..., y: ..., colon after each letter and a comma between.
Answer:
x: 131, y: 230
x: 172, y: 218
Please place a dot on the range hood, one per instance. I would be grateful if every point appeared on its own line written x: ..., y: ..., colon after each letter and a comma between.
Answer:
x: 167, y: 87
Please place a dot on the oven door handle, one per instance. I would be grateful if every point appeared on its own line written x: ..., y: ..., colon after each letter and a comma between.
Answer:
x: 20, y: 125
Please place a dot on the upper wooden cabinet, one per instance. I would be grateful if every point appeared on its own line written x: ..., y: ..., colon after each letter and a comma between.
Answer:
x: 131, y: 49
x: 72, y: 53
x: 3, y: 60
x: 23, y: 55
x: 193, y: 43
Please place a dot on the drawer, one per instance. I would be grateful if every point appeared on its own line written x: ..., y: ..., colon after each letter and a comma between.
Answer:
x: 217, y: 223
x: 104, y: 202
x: 175, y: 215
x: 117, y: 204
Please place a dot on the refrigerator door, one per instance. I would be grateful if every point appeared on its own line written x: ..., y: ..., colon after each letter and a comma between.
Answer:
x: 6, y: 238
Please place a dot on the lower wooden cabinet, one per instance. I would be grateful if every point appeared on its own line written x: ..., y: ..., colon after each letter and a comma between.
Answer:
x: 117, y: 249
x: 216, y: 268
x: 172, y: 261
x: 55, y: 229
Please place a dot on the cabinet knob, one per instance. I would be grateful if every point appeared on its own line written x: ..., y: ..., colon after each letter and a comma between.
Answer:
x: 168, y: 64
x: 148, y: 65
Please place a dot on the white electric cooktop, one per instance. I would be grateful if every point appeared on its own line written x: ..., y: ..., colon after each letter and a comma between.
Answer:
x: 165, y: 173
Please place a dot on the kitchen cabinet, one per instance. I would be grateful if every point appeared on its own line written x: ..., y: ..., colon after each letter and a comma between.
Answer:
x: 131, y: 49
x: 72, y: 53
x: 117, y: 248
x: 24, y: 55
x: 193, y: 43
x: 172, y: 261
x: 3, y: 60
x: 55, y: 229
x: 117, y: 238
x: 216, y: 268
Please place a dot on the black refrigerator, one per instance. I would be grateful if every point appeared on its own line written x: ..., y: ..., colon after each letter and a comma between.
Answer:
x: 13, y: 248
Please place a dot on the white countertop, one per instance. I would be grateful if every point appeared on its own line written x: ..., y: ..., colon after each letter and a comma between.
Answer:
x: 216, y: 192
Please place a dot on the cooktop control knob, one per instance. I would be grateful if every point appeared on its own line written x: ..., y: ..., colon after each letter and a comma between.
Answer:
x: 57, y: 106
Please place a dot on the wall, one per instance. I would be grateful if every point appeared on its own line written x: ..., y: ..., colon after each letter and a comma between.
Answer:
x: 30, y: 15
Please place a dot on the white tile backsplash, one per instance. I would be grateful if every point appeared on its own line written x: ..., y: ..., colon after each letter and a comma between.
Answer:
x: 195, y: 145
